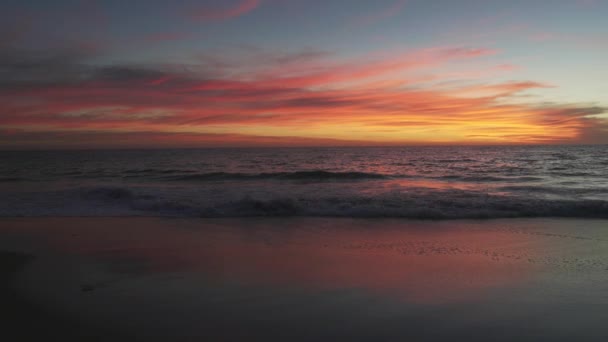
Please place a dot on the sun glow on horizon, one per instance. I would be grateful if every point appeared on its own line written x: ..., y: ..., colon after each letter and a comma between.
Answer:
x: 416, y: 93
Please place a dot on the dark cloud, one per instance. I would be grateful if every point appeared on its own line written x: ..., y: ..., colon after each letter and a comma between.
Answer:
x: 22, y: 139
x: 127, y: 74
x: 18, y: 67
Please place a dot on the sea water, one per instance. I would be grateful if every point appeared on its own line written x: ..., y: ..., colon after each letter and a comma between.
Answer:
x: 410, y: 182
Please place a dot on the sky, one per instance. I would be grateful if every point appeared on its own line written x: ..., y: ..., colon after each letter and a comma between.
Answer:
x: 213, y: 73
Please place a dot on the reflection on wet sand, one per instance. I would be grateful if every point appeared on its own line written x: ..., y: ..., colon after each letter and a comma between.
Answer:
x: 305, y: 279
x: 415, y: 264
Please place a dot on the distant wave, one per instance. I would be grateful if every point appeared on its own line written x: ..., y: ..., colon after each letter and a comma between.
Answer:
x: 155, y: 171
x: 298, y: 175
x: 492, y: 178
x: 573, y: 174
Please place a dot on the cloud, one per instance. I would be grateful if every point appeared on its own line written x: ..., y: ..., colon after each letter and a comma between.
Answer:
x: 391, y: 11
x: 161, y: 37
x: 587, y: 3
x: 240, y: 8
x: 33, y: 139
x: 12, y: 30
x: 305, y: 97
x: 119, y: 73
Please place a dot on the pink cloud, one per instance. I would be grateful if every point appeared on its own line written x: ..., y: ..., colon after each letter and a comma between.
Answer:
x: 384, y: 13
x: 237, y: 10
x: 302, y: 98
x: 587, y: 3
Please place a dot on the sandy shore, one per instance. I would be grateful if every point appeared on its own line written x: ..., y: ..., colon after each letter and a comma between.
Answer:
x: 22, y: 319
x: 303, y: 279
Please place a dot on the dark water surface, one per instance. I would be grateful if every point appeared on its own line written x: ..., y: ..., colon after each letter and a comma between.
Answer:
x: 413, y: 182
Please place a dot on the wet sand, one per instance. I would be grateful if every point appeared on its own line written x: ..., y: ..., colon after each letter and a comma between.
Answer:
x: 304, y: 279
x: 24, y: 320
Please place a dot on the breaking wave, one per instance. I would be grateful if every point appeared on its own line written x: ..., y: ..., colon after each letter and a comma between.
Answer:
x: 413, y: 204
x: 298, y: 175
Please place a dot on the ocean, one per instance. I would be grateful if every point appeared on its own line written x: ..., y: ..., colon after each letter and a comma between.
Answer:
x: 409, y: 182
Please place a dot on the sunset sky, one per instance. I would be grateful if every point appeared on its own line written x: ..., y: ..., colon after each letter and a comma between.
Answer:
x: 197, y: 73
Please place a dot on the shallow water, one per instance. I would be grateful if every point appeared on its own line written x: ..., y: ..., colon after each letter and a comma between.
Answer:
x: 414, y: 182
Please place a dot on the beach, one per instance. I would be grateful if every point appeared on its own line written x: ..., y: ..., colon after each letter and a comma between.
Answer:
x: 23, y: 319
x: 184, y: 279
x: 299, y: 171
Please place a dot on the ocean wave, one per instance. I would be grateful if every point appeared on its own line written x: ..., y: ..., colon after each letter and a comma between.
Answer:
x: 436, y: 206
x: 574, y: 174
x: 298, y: 175
x: 492, y: 178
x: 155, y: 171
x: 455, y: 160
x: 107, y: 193
x: 566, y: 190
x: 235, y: 202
